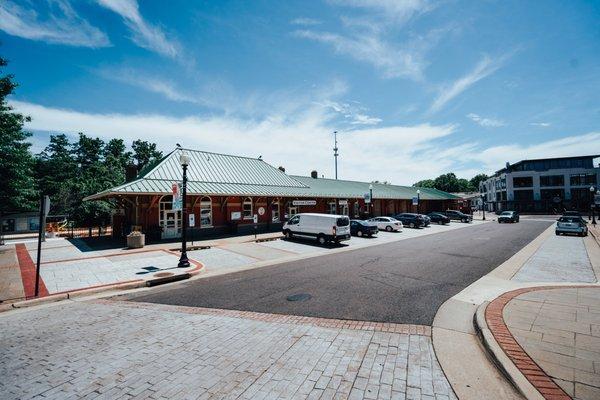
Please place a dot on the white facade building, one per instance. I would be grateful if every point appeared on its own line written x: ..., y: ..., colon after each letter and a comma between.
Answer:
x: 543, y: 185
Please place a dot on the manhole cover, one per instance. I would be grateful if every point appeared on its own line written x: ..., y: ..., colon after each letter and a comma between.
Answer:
x: 299, y: 297
x: 163, y: 274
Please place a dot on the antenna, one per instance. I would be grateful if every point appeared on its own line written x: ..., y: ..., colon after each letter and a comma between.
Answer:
x: 335, y: 152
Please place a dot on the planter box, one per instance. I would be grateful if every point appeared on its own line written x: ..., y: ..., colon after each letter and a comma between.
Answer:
x: 136, y: 242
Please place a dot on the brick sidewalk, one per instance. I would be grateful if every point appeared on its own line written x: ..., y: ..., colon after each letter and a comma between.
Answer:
x: 553, y: 336
x: 112, y: 349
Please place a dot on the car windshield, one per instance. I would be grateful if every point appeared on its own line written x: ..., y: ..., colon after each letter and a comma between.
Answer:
x: 570, y: 219
x: 507, y: 213
x: 344, y: 221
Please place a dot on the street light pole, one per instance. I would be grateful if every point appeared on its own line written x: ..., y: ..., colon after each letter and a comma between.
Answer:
x: 483, y: 206
x: 418, y: 200
x: 184, y: 160
x: 371, y: 199
x: 335, y: 152
x: 593, y: 192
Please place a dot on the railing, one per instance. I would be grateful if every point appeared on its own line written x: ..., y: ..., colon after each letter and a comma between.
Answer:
x: 81, y: 232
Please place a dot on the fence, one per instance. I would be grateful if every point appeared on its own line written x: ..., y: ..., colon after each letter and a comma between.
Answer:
x: 82, y: 232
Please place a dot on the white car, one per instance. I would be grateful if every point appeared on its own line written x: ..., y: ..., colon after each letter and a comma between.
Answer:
x: 388, y: 224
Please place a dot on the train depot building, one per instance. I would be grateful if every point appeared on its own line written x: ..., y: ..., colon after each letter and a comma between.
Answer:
x: 226, y: 194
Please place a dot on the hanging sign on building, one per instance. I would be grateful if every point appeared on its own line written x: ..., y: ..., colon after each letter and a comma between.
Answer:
x: 261, y: 211
x: 236, y: 215
x: 304, y: 202
x: 367, y: 198
x: 343, y: 202
x: 177, y: 201
x: 415, y: 201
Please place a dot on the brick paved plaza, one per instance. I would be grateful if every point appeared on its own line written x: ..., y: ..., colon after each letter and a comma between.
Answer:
x: 112, y: 349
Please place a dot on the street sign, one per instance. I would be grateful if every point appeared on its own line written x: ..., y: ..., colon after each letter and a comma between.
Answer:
x: 343, y: 202
x: 236, y: 215
x: 255, y: 218
x: 304, y: 202
x: 415, y: 201
x: 177, y: 201
x: 192, y: 220
x: 367, y: 198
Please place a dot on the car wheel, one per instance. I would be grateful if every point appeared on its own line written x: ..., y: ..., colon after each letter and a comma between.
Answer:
x: 557, y: 233
x: 321, y: 239
x: 412, y: 224
x: 389, y: 228
x: 287, y: 234
x: 359, y: 233
x: 440, y: 222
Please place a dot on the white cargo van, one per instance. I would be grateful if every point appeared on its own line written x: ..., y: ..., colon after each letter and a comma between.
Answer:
x: 323, y: 227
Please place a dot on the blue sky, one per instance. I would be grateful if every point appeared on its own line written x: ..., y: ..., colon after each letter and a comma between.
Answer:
x: 415, y: 88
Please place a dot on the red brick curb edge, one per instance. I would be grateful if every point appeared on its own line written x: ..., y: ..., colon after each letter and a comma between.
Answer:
x: 529, y: 368
x: 408, y: 329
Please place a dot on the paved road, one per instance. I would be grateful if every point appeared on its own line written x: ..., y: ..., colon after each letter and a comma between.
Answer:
x: 401, y: 282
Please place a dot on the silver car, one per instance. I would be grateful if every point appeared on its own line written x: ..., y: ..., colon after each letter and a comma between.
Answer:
x: 571, y: 224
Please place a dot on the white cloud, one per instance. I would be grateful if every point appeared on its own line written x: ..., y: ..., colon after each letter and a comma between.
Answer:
x: 62, y: 25
x: 353, y: 112
x: 370, y: 48
x: 485, y: 122
x: 145, y: 35
x: 485, y: 67
x: 398, y: 11
x: 305, y: 21
x: 542, y: 124
x: 494, y: 158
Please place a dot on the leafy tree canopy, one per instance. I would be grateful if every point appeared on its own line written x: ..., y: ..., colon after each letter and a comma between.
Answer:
x: 451, y: 183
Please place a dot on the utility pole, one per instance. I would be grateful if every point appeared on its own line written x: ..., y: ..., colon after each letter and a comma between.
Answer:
x: 335, y: 152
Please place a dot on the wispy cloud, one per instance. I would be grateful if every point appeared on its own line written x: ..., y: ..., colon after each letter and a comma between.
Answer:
x: 353, y: 112
x: 485, y: 122
x: 145, y: 35
x: 407, y: 62
x: 366, y: 38
x: 542, y: 124
x: 485, y: 67
x: 305, y: 21
x: 61, y: 25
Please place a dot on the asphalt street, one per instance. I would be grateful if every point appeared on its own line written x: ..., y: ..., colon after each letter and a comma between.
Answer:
x: 401, y: 282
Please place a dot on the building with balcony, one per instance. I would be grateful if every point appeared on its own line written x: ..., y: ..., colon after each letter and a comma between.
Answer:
x: 548, y: 185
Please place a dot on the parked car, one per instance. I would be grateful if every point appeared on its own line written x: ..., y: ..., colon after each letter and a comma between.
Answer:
x: 386, y: 223
x: 438, y: 218
x: 426, y: 219
x: 508, y: 216
x: 411, y: 220
x: 324, y: 228
x: 571, y: 224
x: 458, y: 216
x: 362, y: 228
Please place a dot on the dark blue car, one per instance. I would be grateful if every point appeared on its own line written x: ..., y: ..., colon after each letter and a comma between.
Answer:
x: 361, y: 228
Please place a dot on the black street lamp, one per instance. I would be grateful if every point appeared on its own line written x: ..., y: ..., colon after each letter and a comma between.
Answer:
x: 184, y: 160
x: 371, y: 199
x: 592, y: 193
x: 483, y: 206
x: 418, y: 199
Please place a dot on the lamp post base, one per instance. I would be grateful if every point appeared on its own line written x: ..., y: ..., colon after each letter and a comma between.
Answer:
x: 183, y: 262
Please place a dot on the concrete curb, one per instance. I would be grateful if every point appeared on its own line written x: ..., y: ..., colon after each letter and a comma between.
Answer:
x: 136, y: 284
x: 595, y: 232
x: 499, y: 358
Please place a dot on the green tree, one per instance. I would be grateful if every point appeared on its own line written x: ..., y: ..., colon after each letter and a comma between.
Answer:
x: 478, y: 179
x: 17, y: 190
x: 426, y: 183
x: 55, y: 171
x: 145, y: 153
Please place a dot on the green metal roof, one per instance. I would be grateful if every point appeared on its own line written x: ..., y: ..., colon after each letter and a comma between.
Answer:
x: 220, y: 174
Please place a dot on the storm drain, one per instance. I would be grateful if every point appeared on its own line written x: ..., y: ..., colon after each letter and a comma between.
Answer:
x: 299, y: 297
x: 163, y: 274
